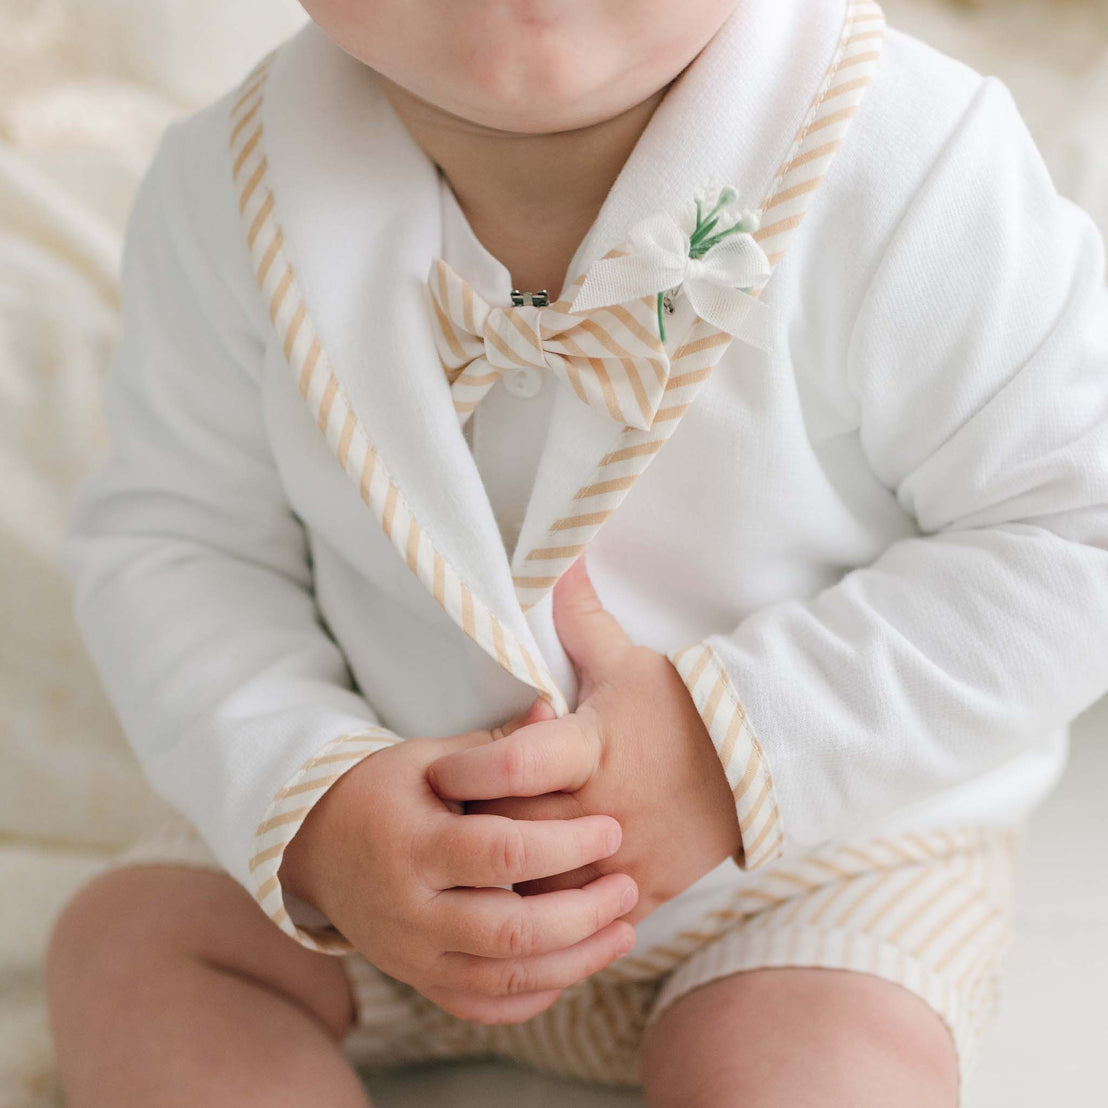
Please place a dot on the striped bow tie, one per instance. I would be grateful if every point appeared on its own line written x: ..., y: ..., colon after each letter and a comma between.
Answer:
x: 612, y: 357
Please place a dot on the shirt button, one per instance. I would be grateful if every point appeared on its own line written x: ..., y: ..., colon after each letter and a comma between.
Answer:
x: 524, y: 382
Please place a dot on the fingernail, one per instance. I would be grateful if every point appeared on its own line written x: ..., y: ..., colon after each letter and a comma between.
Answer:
x: 630, y: 899
x: 614, y: 838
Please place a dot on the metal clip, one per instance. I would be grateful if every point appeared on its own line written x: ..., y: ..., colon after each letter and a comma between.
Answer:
x: 535, y: 299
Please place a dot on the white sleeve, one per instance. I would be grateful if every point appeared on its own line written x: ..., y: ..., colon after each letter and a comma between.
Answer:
x: 979, y: 366
x: 192, y: 581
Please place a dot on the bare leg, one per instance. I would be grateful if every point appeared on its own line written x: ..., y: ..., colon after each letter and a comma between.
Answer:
x: 803, y: 1037
x: 169, y: 987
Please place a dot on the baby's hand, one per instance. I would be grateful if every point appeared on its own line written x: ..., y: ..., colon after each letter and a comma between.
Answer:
x: 635, y: 749
x: 408, y: 880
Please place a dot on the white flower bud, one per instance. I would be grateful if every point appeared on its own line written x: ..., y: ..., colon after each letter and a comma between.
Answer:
x: 751, y: 221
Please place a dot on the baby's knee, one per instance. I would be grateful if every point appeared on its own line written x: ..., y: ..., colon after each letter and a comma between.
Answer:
x: 132, y: 934
x: 792, y: 1034
x: 135, y: 932
x: 114, y: 927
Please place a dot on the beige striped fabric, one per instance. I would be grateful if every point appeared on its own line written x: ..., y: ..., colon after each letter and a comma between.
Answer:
x: 739, y: 752
x: 335, y: 416
x: 288, y: 810
x: 612, y: 358
x: 850, y: 73
x: 929, y: 911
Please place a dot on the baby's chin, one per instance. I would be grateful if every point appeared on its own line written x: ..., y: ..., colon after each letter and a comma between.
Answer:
x: 540, y: 119
x: 532, y: 102
x: 528, y: 66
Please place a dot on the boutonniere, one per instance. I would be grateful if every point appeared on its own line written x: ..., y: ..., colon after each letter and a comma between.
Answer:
x: 708, y: 254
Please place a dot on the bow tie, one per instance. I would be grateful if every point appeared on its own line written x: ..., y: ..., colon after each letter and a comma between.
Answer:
x: 611, y: 357
x: 602, y: 337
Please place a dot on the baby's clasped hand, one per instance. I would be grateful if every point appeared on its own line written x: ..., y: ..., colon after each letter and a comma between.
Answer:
x: 635, y: 749
x: 411, y: 883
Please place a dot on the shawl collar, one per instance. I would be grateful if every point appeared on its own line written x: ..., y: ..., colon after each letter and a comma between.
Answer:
x: 358, y: 205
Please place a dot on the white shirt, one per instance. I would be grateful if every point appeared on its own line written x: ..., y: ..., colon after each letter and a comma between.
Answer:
x: 507, y: 431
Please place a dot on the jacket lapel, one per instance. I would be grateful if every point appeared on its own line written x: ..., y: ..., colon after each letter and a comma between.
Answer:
x: 342, y: 258
x: 733, y: 114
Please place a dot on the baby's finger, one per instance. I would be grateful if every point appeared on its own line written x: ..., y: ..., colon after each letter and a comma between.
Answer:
x: 557, y: 970
x: 495, y: 923
x: 476, y: 851
x: 558, y: 755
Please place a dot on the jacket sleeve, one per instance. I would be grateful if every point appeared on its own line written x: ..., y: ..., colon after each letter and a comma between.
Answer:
x: 191, y: 573
x: 978, y: 364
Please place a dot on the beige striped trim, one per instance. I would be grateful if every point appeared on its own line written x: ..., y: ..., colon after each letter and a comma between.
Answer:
x: 802, y: 171
x: 287, y: 811
x: 896, y: 887
x: 929, y: 911
x: 333, y: 413
x: 537, y: 570
x: 804, y: 167
x: 739, y: 751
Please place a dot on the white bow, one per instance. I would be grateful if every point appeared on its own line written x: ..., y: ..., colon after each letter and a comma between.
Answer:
x: 659, y: 261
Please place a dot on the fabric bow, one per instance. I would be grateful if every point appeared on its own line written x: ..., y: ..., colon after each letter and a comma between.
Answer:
x: 715, y: 284
x: 612, y: 357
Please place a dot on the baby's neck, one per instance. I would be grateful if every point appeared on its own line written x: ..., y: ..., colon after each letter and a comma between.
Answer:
x: 530, y: 198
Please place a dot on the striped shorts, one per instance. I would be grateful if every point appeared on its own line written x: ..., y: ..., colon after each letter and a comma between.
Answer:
x: 929, y: 910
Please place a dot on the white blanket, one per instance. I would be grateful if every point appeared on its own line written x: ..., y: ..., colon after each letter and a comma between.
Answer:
x: 86, y: 87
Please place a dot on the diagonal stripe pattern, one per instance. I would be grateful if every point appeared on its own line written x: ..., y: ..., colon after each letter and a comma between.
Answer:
x: 612, y: 358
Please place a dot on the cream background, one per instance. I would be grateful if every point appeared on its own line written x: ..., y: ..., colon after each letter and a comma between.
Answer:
x: 86, y: 86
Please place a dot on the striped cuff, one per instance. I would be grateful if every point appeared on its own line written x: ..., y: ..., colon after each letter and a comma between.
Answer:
x: 287, y: 811
x: 739, y: 751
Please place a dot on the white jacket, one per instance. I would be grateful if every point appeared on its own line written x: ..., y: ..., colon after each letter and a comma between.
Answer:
x: 878, y: 553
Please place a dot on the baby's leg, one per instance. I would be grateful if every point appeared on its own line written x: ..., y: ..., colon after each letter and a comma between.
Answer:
x: 168, y: 986
x: 817, y: 1038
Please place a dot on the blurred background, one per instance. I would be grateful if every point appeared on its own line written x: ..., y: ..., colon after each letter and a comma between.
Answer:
x: 86, y: 88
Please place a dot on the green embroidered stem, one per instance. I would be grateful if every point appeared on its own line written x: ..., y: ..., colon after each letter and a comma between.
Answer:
x: 706, y: 223
x: 704, y: 245
x: 661, y: 324
x: 702, y: 230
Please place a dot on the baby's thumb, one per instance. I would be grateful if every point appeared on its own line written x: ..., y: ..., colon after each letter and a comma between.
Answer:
x: 539, y: 710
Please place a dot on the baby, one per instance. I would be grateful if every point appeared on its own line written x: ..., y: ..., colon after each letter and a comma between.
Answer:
x: 655, y: 690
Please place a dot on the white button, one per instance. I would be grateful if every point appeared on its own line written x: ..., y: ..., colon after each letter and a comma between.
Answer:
x: 524, y: 382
